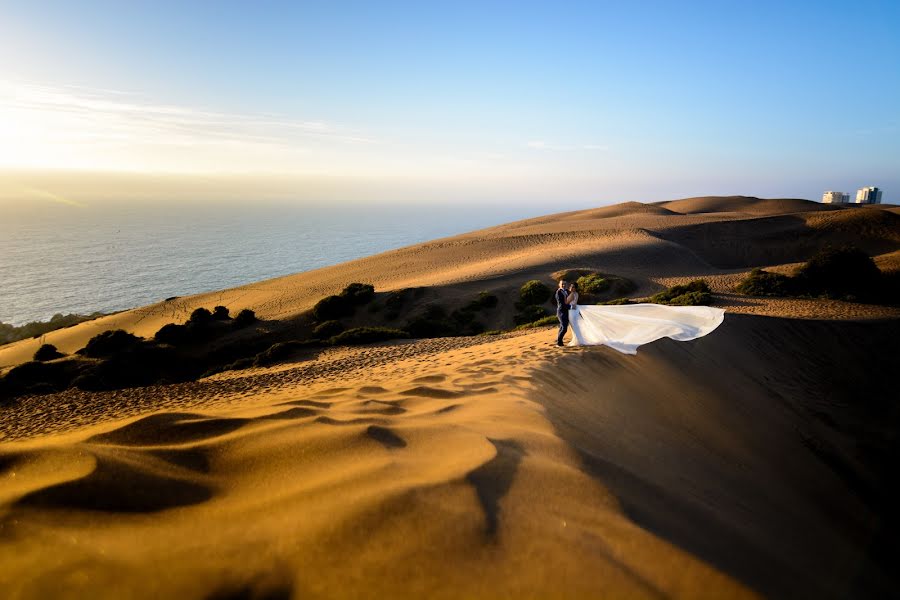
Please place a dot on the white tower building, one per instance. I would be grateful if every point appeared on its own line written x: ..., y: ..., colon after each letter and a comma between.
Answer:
x: 868, y: 195
x: 835, y: 197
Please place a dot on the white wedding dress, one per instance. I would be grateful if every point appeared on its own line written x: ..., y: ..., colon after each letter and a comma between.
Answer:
x: 625, y: 327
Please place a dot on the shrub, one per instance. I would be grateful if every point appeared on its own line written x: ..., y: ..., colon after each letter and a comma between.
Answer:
x: 244, y: 318
x: 173, y: 334
x: 220, y: 313
x: 542, y: 322
x: 530, y: 314
x: 200, y: 317
x: 839, y: 273
x: 484, y: 300
x: 12, y: 333
x: 37, y: 377
x: 592, y: 284
x: 332, y: 307
x: 844, y: 273
x: 47, y: 352
x: 491, y: 332
x: 327, y: 330
x: 617, y: 301
x: 765, y: 283
x: 695, y: 293
x: 691, y: 299
x: 571, y: 275
x: 109, y: 343
x: 367, y: 335
x: 139, y: 365
x: 359, y: 293
x: 534, y: 293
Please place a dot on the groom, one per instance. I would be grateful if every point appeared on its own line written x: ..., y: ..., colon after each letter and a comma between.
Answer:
x: 562, y: 310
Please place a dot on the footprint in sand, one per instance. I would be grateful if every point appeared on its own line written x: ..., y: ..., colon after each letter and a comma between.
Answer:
x: 380, y: 407
x: 311, y: 403
x: 430, y: 379
x: 385, y: 436
x: 299, y: 412
x: 371, y: 389
x: 430, y: 392
x: 167, y: 429
x: 123, y: 486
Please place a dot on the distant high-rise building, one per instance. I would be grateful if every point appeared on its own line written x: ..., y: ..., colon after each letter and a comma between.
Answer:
x: 835, y: 197
x: 868, y: 195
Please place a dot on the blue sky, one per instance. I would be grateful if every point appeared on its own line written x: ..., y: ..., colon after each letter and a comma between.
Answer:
x: 571, y: 102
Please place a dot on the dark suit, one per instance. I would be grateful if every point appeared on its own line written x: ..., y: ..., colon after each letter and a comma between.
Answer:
x: 562, y: 313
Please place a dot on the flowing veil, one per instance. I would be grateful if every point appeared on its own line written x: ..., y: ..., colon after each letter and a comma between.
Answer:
x: 625, y: 327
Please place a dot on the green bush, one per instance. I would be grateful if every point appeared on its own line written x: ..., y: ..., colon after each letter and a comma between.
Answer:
x: 765, y: 283
x: 530, y: 314
x: 173, y: 334
x: 367, y: 335
x: 200, y: 317
x: 843, y: 273
x: 592, y: 284
x: 109, y: 343
x: 694, y: 293
x: 12, y: 333
x: 220, y: 313
x: 571, y: 275
x: 327, y: 330
x: 244, y: 318
x: 691, y: 299
x: 840, y: 273
x: 484, y: 301
x: 47, y: 352
x: 359, y: 293
x: 332, y: 307
x: 534, y: 293
x: 39, y: 377
x: 616, y: 302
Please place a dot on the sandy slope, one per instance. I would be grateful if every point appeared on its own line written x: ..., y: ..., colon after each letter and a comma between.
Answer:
x: 650, y: 243
x: 756, y: 460
x: 469, y: 467
x: 430, y: 471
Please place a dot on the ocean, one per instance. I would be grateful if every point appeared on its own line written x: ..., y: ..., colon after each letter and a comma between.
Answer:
x: 68, y: 259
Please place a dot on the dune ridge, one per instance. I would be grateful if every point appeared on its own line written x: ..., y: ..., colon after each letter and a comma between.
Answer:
x: 652, y: 244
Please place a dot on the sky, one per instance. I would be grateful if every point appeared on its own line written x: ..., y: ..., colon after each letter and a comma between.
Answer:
x: 555, y: 103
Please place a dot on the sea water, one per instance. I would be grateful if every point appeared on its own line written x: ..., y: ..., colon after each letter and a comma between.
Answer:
x: 71, y: 259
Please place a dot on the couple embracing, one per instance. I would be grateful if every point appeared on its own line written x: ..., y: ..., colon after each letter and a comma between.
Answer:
x: 625, y: 327
x: 566, y: 307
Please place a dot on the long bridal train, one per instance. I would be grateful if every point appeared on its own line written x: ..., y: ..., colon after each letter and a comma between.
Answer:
x: 625, y: 327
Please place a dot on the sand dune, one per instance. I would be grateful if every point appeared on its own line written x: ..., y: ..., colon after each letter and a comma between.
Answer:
x: 464, y: 467
x: 756, y: 461
x: 645, y: 242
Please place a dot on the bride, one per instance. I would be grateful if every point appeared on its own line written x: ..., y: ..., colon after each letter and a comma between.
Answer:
x: 625, y: 327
